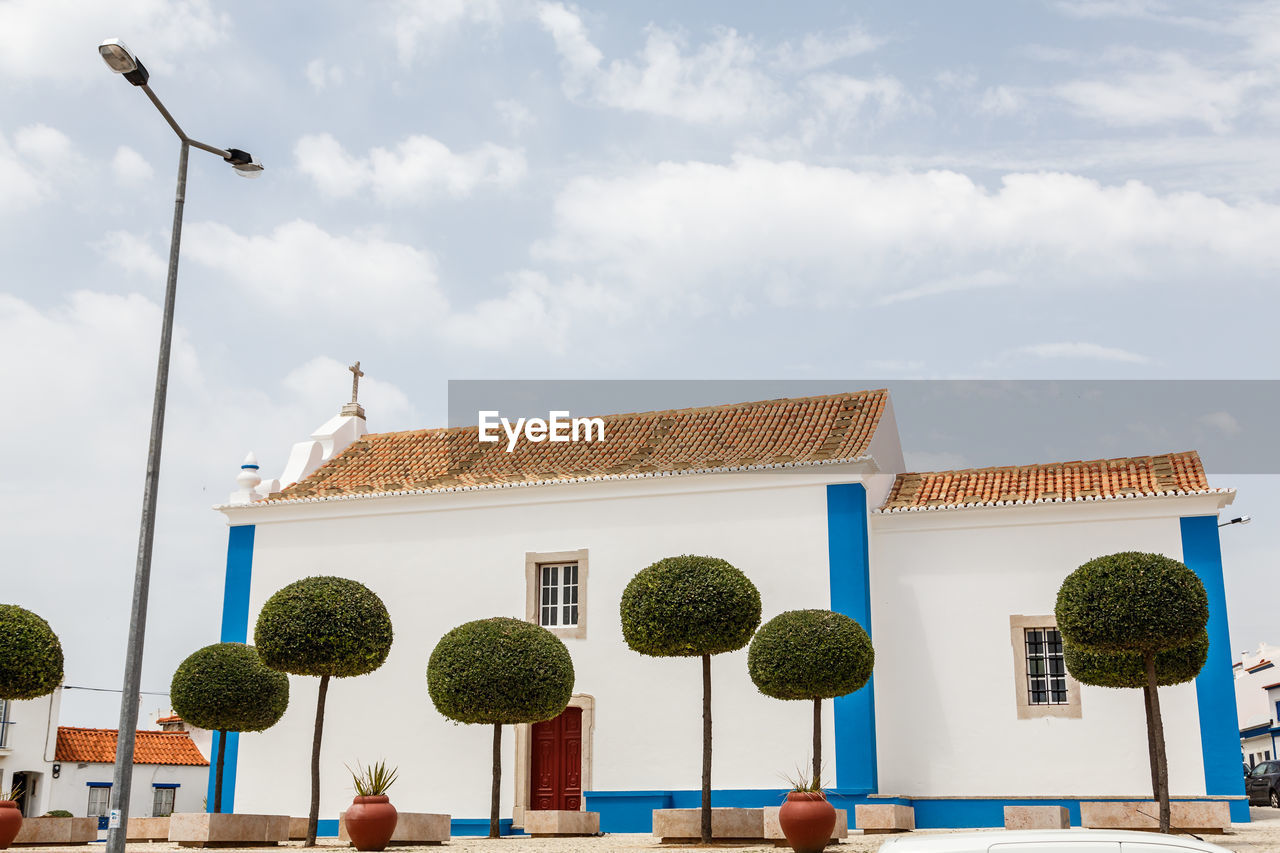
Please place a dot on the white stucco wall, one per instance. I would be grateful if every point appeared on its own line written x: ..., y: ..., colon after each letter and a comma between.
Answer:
x: 70, y: 790
x: 944, y: 584
x: 441, y: 560
x: 29, y: 745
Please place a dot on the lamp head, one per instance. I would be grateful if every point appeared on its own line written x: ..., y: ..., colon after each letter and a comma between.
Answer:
x: 122, y: 61
x: 243, y: 163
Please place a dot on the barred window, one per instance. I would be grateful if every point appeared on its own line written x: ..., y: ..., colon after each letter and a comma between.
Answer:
x: 1046, y: 670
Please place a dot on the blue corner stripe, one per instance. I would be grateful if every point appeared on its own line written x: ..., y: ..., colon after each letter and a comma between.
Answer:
x: 235, y: 629
x: 850, y: 573
x: 1215, y: 686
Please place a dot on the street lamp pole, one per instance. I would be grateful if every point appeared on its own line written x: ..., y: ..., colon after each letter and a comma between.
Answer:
x: 122, y: 61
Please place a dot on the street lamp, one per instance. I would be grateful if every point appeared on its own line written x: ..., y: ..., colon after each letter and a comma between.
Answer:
x: 122, y: 61
x: 1244, y: 519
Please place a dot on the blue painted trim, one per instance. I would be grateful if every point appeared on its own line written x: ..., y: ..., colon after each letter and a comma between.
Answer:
x: 632, y: 811
x: 324, y: 828
x: 235, y: 629
x: 1215, y: 685
x: 165, y: 785
x: 479, y: 826
x: 1256, y: 731
x: 850, y: 578
x: 97, y: 784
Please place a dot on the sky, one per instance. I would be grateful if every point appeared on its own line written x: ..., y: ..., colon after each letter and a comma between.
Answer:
x: 512, y: 189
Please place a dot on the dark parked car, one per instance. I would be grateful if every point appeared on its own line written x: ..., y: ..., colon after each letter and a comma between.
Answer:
x: 1263, y: 785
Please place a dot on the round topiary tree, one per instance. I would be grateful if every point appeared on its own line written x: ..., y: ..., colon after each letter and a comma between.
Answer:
x: 500, y: 671
x: 224, y: 688
x: 1139, y: 604
x: 324, y: 626
x: 30, y: 655
x: 1177, y: 665
x: 691, y: 606
x: 811, y: 654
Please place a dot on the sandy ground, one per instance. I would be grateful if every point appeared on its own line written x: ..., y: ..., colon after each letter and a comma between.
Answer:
x: 1260, y: 836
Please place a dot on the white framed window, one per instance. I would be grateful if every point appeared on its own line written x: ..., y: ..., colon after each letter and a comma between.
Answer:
x: 556, y: 591
x: 99, y: 800
x: 1042, y: 684
x: 162, y: 800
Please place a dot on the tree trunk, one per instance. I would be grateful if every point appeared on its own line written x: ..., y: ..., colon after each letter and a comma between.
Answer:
x: 706, y: 749
x: 1151, y: 743
x: 495, y: 797
x: 817, y: 743
x: 217, y: 777
x: 313, y: 819
x: 1157, y: 741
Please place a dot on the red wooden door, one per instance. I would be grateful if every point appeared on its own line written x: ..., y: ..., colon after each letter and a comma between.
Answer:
x: 556, y: 763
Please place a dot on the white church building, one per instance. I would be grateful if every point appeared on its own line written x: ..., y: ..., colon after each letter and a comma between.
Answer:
x: 954, y: 574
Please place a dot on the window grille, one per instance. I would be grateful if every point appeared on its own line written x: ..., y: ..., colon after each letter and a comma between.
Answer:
x: 1046, y: 670
x: 558, y: 595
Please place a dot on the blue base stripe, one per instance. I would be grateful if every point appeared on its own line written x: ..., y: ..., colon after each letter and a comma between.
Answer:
x: 479, y: 826
x: 235, y: 629
x: 326, y: 829
x: 850, y: 577
x: 632, y: 811
x: 1215, y: 685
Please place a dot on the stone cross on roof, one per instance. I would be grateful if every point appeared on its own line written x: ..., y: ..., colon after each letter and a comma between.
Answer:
x: 356, y: 373
x: 353, y: 408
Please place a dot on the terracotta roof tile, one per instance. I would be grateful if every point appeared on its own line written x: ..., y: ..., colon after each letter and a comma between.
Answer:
x: 1134, y: 476
x: 98, y: 746
x: 804, y: 431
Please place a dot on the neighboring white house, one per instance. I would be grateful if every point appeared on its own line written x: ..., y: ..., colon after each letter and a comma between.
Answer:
x: 169, y: 773
x: 954, y: 574
x: 27, y: 741
x: 1258, y: 703
x: 69, y: 768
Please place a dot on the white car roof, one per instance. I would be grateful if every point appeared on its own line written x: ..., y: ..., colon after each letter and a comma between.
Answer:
x: 979, y: 842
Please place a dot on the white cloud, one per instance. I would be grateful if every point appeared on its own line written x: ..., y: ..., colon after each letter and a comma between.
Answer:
x: 305, y: 273
x: 322, y: 381
x: 839, y: 101
x: 23, y: 184
x: 1224, y: 422
x: 321, y: 74
x: 698, y: 236
x: 1000, y: 101
x: 415, y: 24
x: 515, y: 115
x: 34, y: 164
x: 816, y: 50
x: 129, y: 167
x: 1082, y: 350
x: 55, y: 39
x: 48, y: 146
x: 133, y: 254
x: 1172, y: 90
x: 418, y: 169
x: 720, y: 81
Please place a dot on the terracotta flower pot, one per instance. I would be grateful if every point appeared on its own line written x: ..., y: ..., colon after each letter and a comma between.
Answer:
x: 370, y: 822
x: 10, y: 822
x: 807, y: 821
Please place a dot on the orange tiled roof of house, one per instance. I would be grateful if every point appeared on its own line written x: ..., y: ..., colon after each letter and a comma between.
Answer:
x: 804, y: 431
x: 1133, y: 476
x: 98, y: 746
x: 172, y: 718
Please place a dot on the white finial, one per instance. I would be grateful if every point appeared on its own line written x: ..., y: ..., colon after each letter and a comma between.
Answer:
x: 248, y: 479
